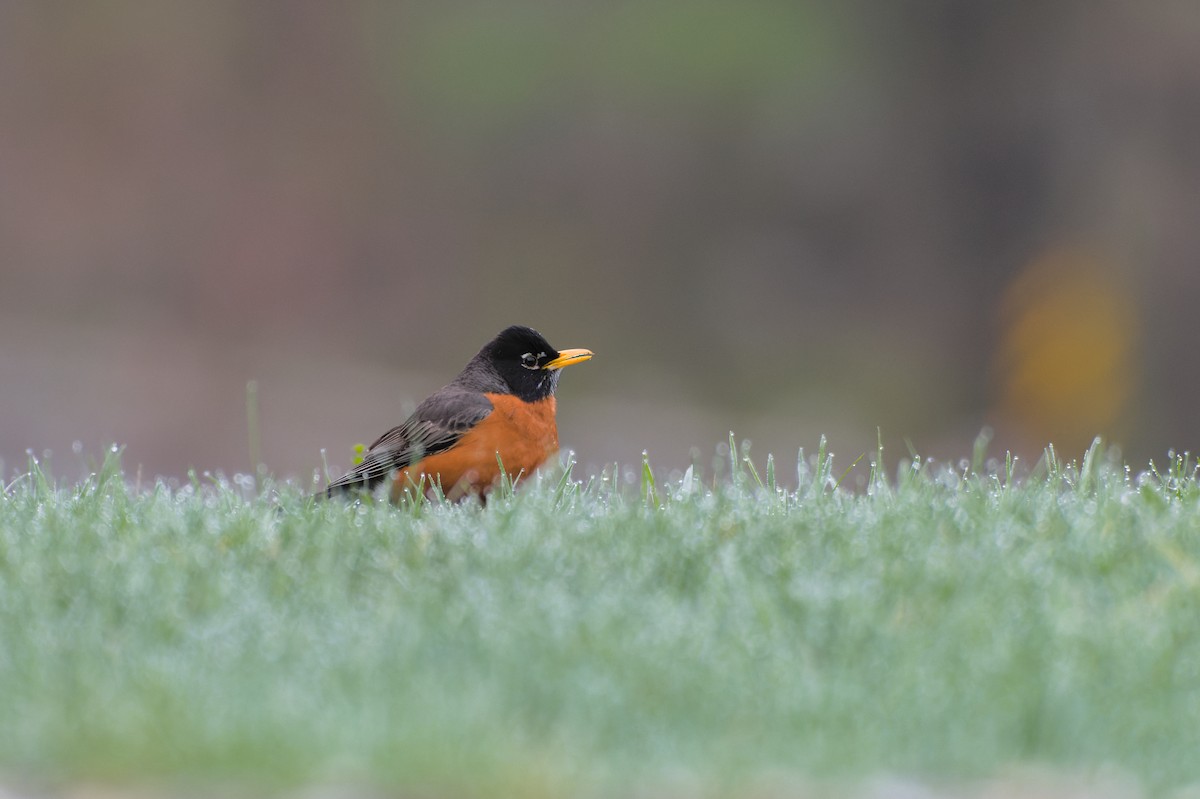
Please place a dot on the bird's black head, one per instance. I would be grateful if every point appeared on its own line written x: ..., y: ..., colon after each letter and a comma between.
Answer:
x: 519, y: 361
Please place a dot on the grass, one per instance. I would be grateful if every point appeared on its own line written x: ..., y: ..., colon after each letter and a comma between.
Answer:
x: 576, y: 638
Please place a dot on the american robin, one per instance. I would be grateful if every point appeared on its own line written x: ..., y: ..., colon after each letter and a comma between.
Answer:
x: 501, y: 405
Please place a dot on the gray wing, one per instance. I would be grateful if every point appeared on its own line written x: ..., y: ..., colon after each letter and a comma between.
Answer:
x: 436, y: 425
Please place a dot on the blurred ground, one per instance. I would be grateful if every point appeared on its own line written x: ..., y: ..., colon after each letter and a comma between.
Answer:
x: 784, y: 219
x: 1027, y: 783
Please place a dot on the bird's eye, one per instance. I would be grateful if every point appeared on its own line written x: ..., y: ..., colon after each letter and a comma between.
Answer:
x: 529, y: 360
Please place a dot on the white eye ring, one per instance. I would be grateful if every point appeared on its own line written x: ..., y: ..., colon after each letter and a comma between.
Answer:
x: 530, y: 361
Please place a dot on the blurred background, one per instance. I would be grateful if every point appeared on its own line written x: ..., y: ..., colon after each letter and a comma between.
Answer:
x: 777, y: 218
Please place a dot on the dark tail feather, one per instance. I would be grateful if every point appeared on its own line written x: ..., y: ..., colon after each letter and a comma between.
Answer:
x: 352, y: 483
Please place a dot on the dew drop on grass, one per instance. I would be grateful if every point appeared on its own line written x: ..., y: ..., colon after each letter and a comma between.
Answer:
x: 244, y: 481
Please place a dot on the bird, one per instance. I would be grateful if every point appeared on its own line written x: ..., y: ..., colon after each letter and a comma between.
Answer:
x: 500, y: 409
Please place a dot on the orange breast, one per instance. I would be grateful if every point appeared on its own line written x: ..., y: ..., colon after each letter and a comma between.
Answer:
x: 523, y: 433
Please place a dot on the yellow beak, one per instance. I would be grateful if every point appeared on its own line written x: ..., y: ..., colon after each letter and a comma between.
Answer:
x: 568, y: 357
